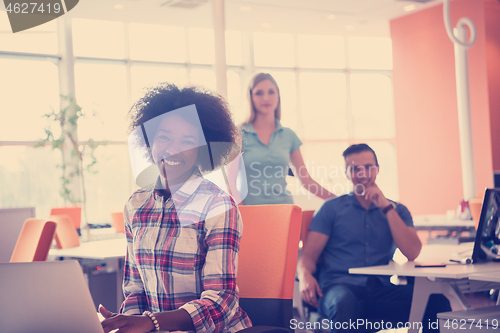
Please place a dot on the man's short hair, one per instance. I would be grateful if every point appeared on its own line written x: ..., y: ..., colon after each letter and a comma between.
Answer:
x: 356, y: 149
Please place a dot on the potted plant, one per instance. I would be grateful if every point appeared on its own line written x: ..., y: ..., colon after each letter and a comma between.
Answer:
x: 73, y: 154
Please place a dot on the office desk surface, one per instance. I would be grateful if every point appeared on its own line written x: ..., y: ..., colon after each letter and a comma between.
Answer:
x: 105, y: 249
x: 439, y: 253
x: 431, y: 280
x: 451, y: 271
x: 433, y: 254
x: 486, y: 276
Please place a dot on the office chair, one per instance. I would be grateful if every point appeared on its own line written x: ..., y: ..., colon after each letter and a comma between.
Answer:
x: 308, y: 313
x: 74, y: 214
x: 34, y: 241
x: 307, y: 216
x: 118, y: 222
x: 66, y: 234
x: 267, y: 263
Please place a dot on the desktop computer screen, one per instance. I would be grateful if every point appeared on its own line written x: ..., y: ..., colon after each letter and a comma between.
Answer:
x: 11, y: 223
x: 487, y: 243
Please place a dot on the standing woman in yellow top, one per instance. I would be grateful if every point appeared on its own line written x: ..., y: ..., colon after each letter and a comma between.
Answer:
x: 268, y: 148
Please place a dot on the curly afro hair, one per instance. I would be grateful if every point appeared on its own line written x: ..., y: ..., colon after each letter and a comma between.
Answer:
x: 213, y: 113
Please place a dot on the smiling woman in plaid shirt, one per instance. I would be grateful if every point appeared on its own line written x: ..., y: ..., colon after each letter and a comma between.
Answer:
x: 183, y: 232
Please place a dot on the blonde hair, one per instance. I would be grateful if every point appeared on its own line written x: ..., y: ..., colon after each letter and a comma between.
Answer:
x: 259, y: 77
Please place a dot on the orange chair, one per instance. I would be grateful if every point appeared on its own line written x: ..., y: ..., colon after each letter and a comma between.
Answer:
x: 267, y: 263
x: 66, y: 234
x: 475, y: 206
x: 307, y: 216
x: 74, y: 213
x: 117, y: 222
x: 34, y: 241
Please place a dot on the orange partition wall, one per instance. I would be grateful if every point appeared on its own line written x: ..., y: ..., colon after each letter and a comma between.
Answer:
x: 425, y: 102
x: 492, y: 13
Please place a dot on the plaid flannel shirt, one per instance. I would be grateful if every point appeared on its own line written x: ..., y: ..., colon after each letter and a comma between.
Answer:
x: 183, y: 253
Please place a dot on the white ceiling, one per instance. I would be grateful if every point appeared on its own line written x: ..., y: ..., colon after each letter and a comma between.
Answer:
x: 363, y: 17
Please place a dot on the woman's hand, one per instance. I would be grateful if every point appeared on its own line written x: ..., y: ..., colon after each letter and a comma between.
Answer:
x: 125, y: 323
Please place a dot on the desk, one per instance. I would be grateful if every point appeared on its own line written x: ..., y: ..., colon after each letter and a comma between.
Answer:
x: 100, y: 250
x: 452, y: 279
x: 488, y: 276
x: 479, y: 320
x: 96, y: 259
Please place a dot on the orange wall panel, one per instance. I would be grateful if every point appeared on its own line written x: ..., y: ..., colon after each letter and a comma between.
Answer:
x: 492, y: 12
x: 428, y: 150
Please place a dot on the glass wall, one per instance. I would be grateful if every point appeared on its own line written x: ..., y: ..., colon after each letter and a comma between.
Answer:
x: 335, y: 91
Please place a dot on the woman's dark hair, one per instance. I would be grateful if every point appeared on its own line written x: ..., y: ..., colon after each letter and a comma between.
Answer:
x: 213, y: 112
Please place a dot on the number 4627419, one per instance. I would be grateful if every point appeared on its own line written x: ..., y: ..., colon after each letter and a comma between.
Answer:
x: 33, y: 8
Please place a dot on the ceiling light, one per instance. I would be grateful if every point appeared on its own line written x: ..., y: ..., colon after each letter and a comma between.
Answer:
x: 265, y: 25
x: 245, y: 8
x: 331, y: 17
x: 409, y: 8
x: 118, y: 6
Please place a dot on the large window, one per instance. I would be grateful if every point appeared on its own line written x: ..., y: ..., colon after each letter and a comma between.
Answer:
x: 160, y: 43
x: 101, y: 89
x: 29, y: 88
x: 343, y: 96
x: 335, y: 91
x: 273, y: 50
x: 371, y: 106
x: 323, y: 106
x: 321, y: 51
x: 41, y: 39
x: 96, y: 38
x: 29, y: 177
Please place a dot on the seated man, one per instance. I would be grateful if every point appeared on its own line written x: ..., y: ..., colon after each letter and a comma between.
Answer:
x: 359, y: 229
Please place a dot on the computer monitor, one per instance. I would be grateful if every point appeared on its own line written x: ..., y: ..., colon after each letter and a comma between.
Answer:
x: 11, y: 223
x: 487, y: 243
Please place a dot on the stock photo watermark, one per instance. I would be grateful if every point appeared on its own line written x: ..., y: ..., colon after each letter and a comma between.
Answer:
x: 261, y: 176
x: 360, y: 324
x: 27, y: 14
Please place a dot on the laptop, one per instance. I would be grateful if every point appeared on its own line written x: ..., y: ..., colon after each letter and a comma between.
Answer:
x: 46, y: 297
x: 487, y: 244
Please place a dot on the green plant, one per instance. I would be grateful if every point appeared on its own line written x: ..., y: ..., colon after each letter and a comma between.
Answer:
x: 73, y: 152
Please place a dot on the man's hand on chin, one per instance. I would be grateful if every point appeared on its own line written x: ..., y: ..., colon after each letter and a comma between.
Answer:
x: 375, y: 195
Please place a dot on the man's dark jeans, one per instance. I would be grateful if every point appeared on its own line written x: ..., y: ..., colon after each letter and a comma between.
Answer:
x: 375, y: 307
